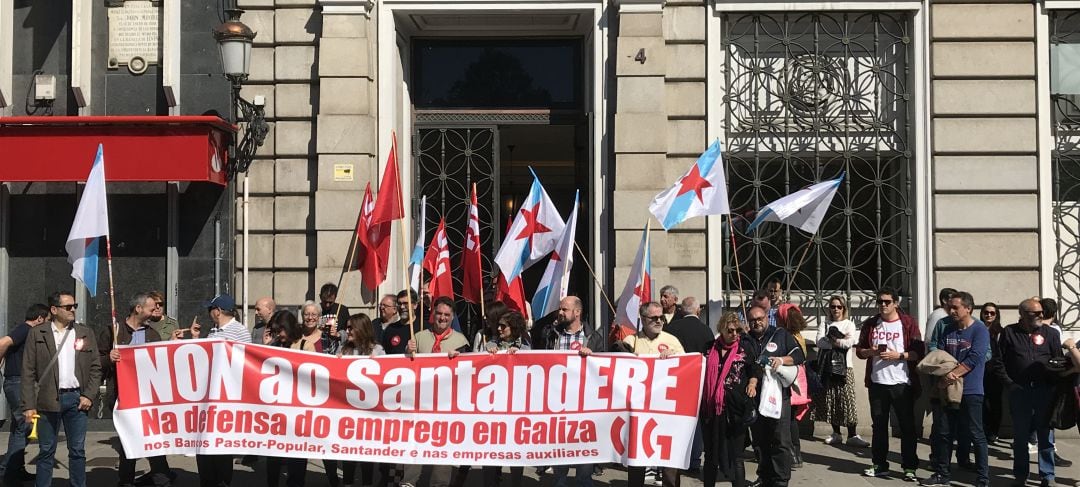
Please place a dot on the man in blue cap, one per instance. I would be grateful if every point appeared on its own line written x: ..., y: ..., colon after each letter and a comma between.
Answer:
x: 217, y: 470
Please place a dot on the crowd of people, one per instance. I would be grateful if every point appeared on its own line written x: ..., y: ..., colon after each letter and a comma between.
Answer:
x: 965, y: 366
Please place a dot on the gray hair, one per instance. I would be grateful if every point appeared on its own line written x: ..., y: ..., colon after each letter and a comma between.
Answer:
x: 669, y: 289
x: 138, y: 299
x: 311, y: 303
x: 643, y: 310
x: 690, y: 306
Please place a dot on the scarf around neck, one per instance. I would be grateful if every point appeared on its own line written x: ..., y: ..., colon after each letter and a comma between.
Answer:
x: 715, y: 375
x: 437, y: 346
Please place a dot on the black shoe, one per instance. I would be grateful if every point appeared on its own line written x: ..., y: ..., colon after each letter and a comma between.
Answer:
x: 249, y: 460
x: 1047, y: 483
x: 969, y: 466
x: 935, y: 480
x: 1061, y: 462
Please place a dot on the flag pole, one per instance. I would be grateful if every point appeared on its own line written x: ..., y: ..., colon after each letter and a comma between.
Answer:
x: 112, y: 293
x: 738, y: 274
x: 483, y: 311
x: 595, y: 280
x: 404, y: 245
x: 791, y: 278
x: 348, y: 265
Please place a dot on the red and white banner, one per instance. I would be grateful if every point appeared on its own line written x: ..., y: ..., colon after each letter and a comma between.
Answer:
x: 530, y: 408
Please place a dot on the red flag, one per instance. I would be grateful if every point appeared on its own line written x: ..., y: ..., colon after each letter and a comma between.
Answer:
x: 472, y: 280
x: 437, y: 263
x: 513, y: 295
x: 358, y: 246
x: 375, y: 240
x: 388, y: 206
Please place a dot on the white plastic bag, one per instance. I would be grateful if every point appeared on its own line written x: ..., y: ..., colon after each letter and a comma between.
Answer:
x: 772, y: 397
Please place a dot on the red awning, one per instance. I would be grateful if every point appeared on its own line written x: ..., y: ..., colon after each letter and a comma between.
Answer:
x: 150, y: 148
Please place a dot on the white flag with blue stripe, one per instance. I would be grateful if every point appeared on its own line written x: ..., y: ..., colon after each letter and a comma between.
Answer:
x: 804, y: 209
x: 415, y: 261
x: 91, y: 223
x: 553, y: 286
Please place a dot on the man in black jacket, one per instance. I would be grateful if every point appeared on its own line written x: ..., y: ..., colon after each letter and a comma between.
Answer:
x: 569, y: 332
x: 772, y: 437
x: 1023, y: 367
x: 695, y: 338
x: 132, y: 331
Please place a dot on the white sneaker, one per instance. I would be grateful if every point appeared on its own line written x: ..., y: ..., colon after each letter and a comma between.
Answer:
x: 834, y: 439
x: 857, y: 441
x: 1033, y: 448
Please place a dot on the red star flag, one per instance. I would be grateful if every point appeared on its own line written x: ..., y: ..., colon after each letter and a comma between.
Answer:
x: 638, y: 287
x: 701, y: 191
x: 556, y: 280
x: 534, y: 233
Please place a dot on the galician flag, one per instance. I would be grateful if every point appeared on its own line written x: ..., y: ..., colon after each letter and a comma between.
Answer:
x: 701, y: 191
x: 91, y: 223
x: 804, y: 209
x: 638, y: 287
x: 534, y: 233
x: 553, y: 285
x: 417, y: 258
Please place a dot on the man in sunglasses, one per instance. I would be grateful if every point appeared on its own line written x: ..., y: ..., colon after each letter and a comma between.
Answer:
x: 1023, y: 367
x: 773, y: 347
x: 892, y: 344
x: 63, y: 391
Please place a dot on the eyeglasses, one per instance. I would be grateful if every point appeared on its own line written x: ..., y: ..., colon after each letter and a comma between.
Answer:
x: 885, y: 302
x: 990, y: 313
x: 311, y: 315
x: 1033, y: 313
x: 655, y: 319
x: 836, y: 306
x: 757, y: 319
x: 68, y: 307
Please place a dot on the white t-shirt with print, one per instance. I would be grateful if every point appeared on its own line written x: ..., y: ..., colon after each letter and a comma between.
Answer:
x: 888, y: 372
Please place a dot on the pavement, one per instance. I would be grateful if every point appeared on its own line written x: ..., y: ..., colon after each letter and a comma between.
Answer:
x: 824, y: 466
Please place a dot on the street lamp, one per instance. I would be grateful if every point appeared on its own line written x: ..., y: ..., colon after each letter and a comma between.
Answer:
x: 234, y: 43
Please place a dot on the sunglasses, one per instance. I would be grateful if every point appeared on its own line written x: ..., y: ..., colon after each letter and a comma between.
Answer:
x: 655, y: 319
x: 835, y: 306
x: 68, y: 307
x: 884, y: 302
x: 990, y: 313
x: 1033, y: 313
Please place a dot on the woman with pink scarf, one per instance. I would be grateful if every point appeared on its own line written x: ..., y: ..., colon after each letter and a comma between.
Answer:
x: 729, y: 405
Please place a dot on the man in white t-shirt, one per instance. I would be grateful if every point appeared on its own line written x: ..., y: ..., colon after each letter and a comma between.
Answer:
x: 939, y: 312
x: 892, y: 343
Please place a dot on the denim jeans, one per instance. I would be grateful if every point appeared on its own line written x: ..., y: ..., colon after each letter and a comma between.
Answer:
x: 964, y: 423
x: 1029, y: 407
x: 75, y: 430
x: 583, y: 473
x: 15, y: 458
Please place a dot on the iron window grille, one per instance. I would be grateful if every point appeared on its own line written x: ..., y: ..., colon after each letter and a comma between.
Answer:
x: 809, y: 96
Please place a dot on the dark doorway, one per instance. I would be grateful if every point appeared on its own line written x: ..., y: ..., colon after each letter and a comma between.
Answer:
x: 485, y: 112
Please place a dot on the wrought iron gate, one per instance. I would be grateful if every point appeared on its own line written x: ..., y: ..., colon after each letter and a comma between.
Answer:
x: 807, y: 97
x: 1065, y: 160
x: 448, y: 161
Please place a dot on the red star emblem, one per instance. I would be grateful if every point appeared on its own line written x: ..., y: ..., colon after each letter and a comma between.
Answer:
x: 693, y: 182
x: 532, y: 227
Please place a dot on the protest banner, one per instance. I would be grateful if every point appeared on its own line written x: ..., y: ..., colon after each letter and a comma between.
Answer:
x: 529, y: 408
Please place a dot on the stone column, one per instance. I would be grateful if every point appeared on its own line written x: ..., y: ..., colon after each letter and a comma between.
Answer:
x: 347, y: 137
x: 641, y: 138
x: 985, y: 167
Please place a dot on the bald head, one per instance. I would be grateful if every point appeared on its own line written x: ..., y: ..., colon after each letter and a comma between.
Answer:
x: 691, y: 307
x: 569, y: 314
x: 264, y: 308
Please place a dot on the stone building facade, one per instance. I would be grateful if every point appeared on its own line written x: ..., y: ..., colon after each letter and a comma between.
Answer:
x: 950, y: 121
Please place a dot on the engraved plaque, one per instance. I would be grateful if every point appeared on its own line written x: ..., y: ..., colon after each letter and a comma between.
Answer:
x: 134, y: 35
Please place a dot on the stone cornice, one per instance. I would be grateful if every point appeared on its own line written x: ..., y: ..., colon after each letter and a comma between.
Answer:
x: 637, y: 6
x: 347, y: 7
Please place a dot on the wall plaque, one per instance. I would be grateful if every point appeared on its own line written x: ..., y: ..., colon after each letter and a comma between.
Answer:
x: 343, y: 172
x: 134, y: 35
